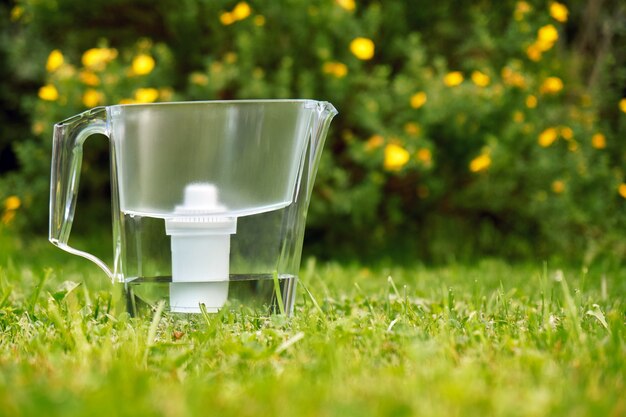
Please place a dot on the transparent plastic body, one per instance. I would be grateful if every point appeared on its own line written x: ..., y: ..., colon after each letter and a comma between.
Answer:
x: 258, y: 157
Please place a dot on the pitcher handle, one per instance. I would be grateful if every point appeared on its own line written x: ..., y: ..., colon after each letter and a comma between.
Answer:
x: 67, y: 157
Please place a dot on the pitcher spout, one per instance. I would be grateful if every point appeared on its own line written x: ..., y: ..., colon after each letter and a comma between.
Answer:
x: 323, y: 116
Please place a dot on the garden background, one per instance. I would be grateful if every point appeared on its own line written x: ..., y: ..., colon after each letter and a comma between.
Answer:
x: 465, y: 249
x: 465, y: 129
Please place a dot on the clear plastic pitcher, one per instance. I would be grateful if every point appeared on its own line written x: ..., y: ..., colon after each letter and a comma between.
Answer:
x: 209, y: 199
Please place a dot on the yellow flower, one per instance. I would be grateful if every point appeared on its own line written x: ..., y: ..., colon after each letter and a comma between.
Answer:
x: 558, y: 186
x: 622, y: 105
x: 567, y: 133
x: 521, y: 8
x: 513, y: 78
x: 241, y: 10
x: 259, y: 20
x: 348, y: 5
x: 622, y: 190
x: 395, y: 157
x: 425, y: 155
x: 146, y: 95
x: 48, y: 92
x: 518, y: 116
x: 55, y: 60
x: 559, y: 12
x: 16, y: 13
x: 547, y: 137
x: 336, y: 69
x: 412, y: 128
x: 227, y: 18
x: 376, y: 141
x: 418, y: 99
x: 534, y: 52
x: 362, y: 48
x: 598, y: 141
x: 480, y: 79
x: 453, y: 78
x: 12, y: 203
x: 97, y: 58
x: 546, y: 37
x: 142, y: 64
x: 551, y: 85
x: 127, y: 101
x: 531, y: 101
x: 199, y: 78
x: 89, y: 78
x: 91, y: 98
x: 480, y: 163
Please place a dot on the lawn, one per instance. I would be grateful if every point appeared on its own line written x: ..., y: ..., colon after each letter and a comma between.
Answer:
x: 488, y: 338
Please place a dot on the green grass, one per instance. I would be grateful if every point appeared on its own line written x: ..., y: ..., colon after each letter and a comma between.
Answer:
x: 482, y: 339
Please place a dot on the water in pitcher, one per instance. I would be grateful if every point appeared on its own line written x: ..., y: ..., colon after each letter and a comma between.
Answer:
x: 252, y: 280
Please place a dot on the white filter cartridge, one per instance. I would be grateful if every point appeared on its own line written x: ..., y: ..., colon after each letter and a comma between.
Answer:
x: 200, y: 243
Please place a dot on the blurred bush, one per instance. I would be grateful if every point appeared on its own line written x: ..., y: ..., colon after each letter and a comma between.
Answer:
x: 482, y: 128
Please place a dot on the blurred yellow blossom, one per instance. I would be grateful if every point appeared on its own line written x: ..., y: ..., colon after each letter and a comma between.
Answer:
x: 546, y: 37
x: 227, y: 18
x: 481, y: 163
x: 531, y: 101
x: 127, y: 101
x: 146, y: 95
x: 418, y: 99
x: 547, y: 137
x: 12, y: 202
x: 567, y: 133
x: 622, y: 190
x: 521, y: 8
x: 513, y: 78
x: 55, y: 60
x: 89, y: 78
x: 558, y: 186
x: 412, y: 128
x: 572, y: 146
x: 48, y: 92
x: 551, y: 85
x: 424, y: 155
x: 480, y: 79
x: 559, y: 12
x: 376, y: 141
x: 395, y: 157
x: 348, y: 5
x: 598, y: 141
x: 518, y: 116
x: 453, y: 78
x: 97, y: 58
x: 199, y: 78
x: 533, y: 52
x: 16, y: 13
x: 362, y: 48
x: 259, y: 20
x: 241, y: 11
x: 336, y: 69
x: 142, y: 64
x: 166, y: 93
x: 622, y: 105
x: 91, y: 97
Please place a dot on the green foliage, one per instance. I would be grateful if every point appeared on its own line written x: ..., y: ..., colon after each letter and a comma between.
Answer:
x: 470, y: 129
x: 489, y: 339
